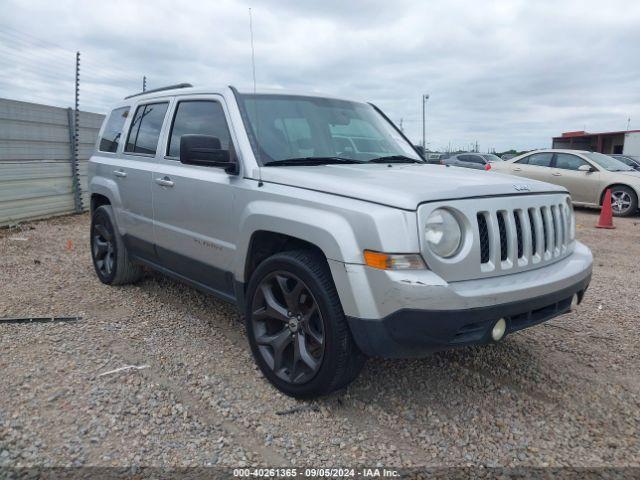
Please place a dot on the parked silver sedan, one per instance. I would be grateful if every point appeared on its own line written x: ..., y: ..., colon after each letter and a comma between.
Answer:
x: 480, y: 161
x: 587, y: 176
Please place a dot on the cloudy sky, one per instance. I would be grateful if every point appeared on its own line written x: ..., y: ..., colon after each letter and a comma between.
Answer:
x: 507, y: 74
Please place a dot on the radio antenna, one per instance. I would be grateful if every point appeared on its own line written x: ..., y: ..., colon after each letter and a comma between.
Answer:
x: 255, y: 100
x: 253, y: 52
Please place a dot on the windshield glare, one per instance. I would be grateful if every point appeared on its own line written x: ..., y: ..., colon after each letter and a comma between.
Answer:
x: 286, y: 127
x: 607, y: 162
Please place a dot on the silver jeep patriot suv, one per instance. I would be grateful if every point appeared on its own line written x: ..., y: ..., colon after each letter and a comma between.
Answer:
x: 320, y: 221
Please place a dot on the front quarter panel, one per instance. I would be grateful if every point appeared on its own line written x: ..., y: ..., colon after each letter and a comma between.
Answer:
x: 341, y: 227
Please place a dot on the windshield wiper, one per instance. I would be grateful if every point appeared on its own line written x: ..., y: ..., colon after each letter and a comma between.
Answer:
x: 309, y: 161
x: 395, y: 159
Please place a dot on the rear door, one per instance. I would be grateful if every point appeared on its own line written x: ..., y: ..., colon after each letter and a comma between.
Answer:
x: 132, y: 173
x: 536, y: 166
x: 583, y: 186
x: 194, y: 228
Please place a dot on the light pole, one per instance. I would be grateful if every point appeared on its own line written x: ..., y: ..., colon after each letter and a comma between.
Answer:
x: 425, y: 97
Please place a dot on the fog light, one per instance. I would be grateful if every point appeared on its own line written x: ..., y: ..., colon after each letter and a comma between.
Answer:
x: 498, y: 330
x: 574, y: 302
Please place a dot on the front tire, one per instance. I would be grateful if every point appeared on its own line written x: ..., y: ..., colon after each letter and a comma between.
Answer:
x: 297, y: 329
x: 624, y: 201
x: 108, y: 252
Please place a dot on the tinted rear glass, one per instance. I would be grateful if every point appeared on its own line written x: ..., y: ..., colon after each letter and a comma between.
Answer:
x: 113, y: 130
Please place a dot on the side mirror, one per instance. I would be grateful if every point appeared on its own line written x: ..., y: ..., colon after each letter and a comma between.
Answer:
x: 206, y: 151
x: 586, y: 168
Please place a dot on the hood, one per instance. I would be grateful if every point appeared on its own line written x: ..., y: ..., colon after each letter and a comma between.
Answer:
x: 403, y: 185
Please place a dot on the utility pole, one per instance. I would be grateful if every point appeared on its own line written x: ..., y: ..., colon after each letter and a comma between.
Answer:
x: 425, y: 97
x: 75, y: 172
x: 144, y: 83
x: 401, y: 127
x: 628, y: 123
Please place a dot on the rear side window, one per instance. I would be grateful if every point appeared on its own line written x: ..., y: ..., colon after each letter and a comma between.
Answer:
x: 202, y: 117
x: 538, y: 159
x: 113, y: 130
x: 145, y: 128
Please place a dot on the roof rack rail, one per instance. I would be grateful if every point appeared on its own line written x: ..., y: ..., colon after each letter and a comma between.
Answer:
x: 168, y: 87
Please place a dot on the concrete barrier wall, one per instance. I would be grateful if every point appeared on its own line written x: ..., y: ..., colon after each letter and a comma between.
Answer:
x: 35, y: 160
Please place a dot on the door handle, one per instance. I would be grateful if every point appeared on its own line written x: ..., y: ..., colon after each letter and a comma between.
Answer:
x: 120, y: 173
x: 165, y: 182
x: 556, y: 174
x: 517, y: 169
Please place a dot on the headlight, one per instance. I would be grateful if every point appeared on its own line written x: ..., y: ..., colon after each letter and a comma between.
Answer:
x: 571, y: 220
x: 443, y: 233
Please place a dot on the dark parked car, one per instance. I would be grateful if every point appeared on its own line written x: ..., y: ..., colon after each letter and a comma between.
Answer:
x: 479, y: 161
x: 633, y: 162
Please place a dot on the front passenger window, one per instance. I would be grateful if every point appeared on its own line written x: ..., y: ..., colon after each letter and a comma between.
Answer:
x: 567, y: 161
x: 202, y: 117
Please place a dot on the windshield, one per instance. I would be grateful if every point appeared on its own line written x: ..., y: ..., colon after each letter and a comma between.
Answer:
x: 288, y: 127
x: 607, y: 162
x: 490, y: 157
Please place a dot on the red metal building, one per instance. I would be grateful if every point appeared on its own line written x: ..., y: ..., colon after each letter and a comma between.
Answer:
x: 606, y: 142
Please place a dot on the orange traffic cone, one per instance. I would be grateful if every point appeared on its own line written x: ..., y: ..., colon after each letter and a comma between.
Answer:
x: 606, y: 215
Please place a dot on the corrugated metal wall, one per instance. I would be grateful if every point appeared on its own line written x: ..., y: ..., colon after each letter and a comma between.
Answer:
x: 35, y: 160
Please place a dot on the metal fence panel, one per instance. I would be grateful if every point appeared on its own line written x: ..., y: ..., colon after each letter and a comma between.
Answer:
x: 35, y: 160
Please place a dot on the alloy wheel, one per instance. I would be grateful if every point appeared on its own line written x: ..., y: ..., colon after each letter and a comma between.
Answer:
x: 103, y: 249
x: 620, y: 201
x: 288, y: 327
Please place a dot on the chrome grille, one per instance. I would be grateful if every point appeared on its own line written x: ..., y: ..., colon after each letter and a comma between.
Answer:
x: 502, y: 235
x: 522, y: 236
x: 519, y: 239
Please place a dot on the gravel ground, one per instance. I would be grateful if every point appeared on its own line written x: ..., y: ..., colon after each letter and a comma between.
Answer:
x: 565, y: 393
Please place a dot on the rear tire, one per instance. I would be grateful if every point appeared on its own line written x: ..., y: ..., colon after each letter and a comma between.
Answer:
x: 624, y: 201
x: 296, y: 327
x: 108, y: 252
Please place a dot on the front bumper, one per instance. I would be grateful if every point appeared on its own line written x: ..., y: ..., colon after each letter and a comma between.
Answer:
x: 415, y: 333
x: 400, y: 314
